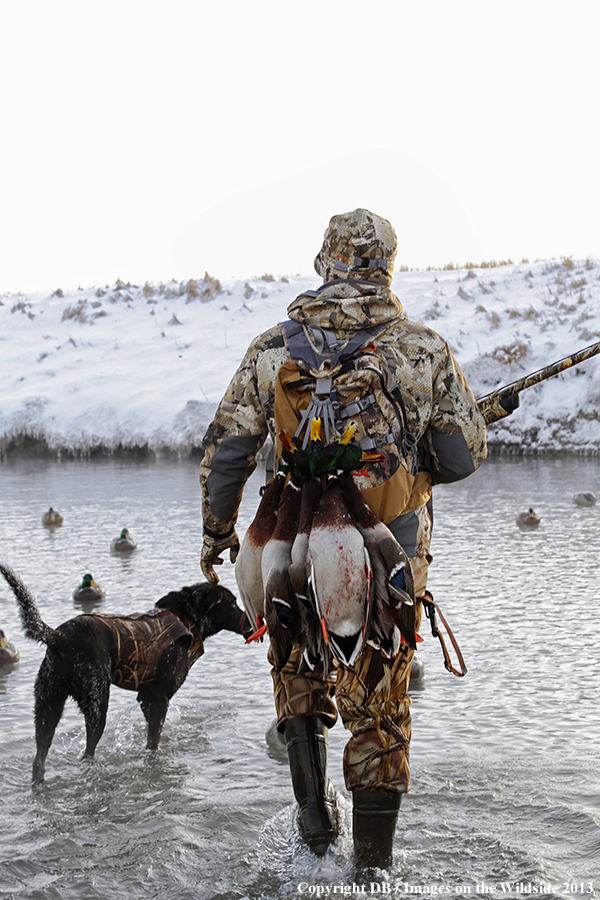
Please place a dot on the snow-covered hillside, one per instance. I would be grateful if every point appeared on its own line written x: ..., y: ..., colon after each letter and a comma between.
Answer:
x: 143, y: 366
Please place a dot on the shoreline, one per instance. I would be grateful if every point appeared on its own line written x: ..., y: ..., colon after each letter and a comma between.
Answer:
x: 26, y: 447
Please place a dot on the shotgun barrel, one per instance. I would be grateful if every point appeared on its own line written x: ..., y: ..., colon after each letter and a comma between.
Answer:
x: 490, y: 405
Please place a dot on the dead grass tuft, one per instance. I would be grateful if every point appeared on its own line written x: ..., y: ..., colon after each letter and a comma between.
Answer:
x: 75, y: 313
x: 511, y: 353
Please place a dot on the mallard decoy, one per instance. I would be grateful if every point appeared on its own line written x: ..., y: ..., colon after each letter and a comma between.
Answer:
x: 52, y: 518
x: 124, y: 543
x: 285, y: 619
x: 89, y: 591
x: 9, y: 655
x: 340, y: 577
x: 248, y: 572
x: 584, y: 499
x: 417, y: 673
x: 528, y: 519
x: 394, y: 588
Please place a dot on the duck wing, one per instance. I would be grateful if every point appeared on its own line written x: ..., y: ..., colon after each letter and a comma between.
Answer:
x: 281, y: 608
x: 311, y: 496
x: 394, y: 589
x: 248, y: 565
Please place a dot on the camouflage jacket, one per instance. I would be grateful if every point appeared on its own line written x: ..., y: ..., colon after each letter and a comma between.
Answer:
x: 441, y: 411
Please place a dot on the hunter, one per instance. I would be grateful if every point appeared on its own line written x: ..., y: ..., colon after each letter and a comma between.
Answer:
x: 442, y: 438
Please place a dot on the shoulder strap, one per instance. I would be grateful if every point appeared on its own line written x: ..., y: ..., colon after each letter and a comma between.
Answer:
x: 301, y: 348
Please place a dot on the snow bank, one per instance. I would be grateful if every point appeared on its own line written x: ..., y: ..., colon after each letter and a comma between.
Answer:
x: 141, y: 368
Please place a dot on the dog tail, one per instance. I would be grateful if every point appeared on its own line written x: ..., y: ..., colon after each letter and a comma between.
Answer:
x: 33, y: 626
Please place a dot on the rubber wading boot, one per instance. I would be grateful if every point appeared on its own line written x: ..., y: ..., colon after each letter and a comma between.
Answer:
x: 374, y: 816
x: 306, y: 744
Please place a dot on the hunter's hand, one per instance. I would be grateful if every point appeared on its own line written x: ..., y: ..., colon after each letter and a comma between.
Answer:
x: 212, y: 548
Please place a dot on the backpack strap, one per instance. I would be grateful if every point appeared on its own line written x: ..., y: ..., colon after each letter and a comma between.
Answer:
x: 301, y: 348
x: 324, y: 402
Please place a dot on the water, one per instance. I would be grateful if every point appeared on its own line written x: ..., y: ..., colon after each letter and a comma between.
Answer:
x: 505, y: 762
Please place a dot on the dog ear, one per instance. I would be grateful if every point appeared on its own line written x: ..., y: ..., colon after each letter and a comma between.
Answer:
x: 169, y: 600
x: 182, y: 600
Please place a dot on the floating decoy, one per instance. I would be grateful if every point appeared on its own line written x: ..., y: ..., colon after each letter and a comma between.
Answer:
x: 89, y: 591
x: 417, y: 673
x: 52, y: 517
x: 394, y: 606
x: 248, y: 571
x: 584, y: 499
x: 528, y: 519
x: 340, y: 576
x: 9, y: 655
x: 124, y: 543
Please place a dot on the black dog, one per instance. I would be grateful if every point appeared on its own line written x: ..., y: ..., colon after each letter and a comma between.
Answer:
x: 150, y: 653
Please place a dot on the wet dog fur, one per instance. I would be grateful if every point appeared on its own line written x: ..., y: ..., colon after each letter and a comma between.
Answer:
x: 151, y: 653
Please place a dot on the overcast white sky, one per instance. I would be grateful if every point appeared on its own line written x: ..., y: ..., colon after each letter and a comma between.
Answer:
x: 153, y: 140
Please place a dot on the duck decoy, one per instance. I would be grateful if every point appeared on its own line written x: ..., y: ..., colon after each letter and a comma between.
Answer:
x: 285, y: 619
x: 340, y: 577
x: 528, y: 519
x: 124, y: 543
x: 394, y: 612
x: 248, y: 571
x: 52, y: 518
x: 9, y: 655
x: 89, y: 591
x: 586, y: 498
x: 417, y: 673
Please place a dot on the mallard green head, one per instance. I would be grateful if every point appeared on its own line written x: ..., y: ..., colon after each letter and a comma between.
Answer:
x: 88, y: 581
x: 124, y: 535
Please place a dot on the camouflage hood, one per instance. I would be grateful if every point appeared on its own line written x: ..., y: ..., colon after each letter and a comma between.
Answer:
x: 346, y: 306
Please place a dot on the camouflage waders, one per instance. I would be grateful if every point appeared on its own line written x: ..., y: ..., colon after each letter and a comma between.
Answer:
x: 372, y: 701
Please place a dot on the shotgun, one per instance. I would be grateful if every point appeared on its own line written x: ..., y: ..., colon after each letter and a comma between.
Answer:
x: 497, y: 404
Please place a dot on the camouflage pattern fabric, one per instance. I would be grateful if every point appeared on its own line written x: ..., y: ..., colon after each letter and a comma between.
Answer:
x: 372, y: 700
x: 440, y: 407
x: 301, y: 691
x: 142, y: 639
x: 355, y: 245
